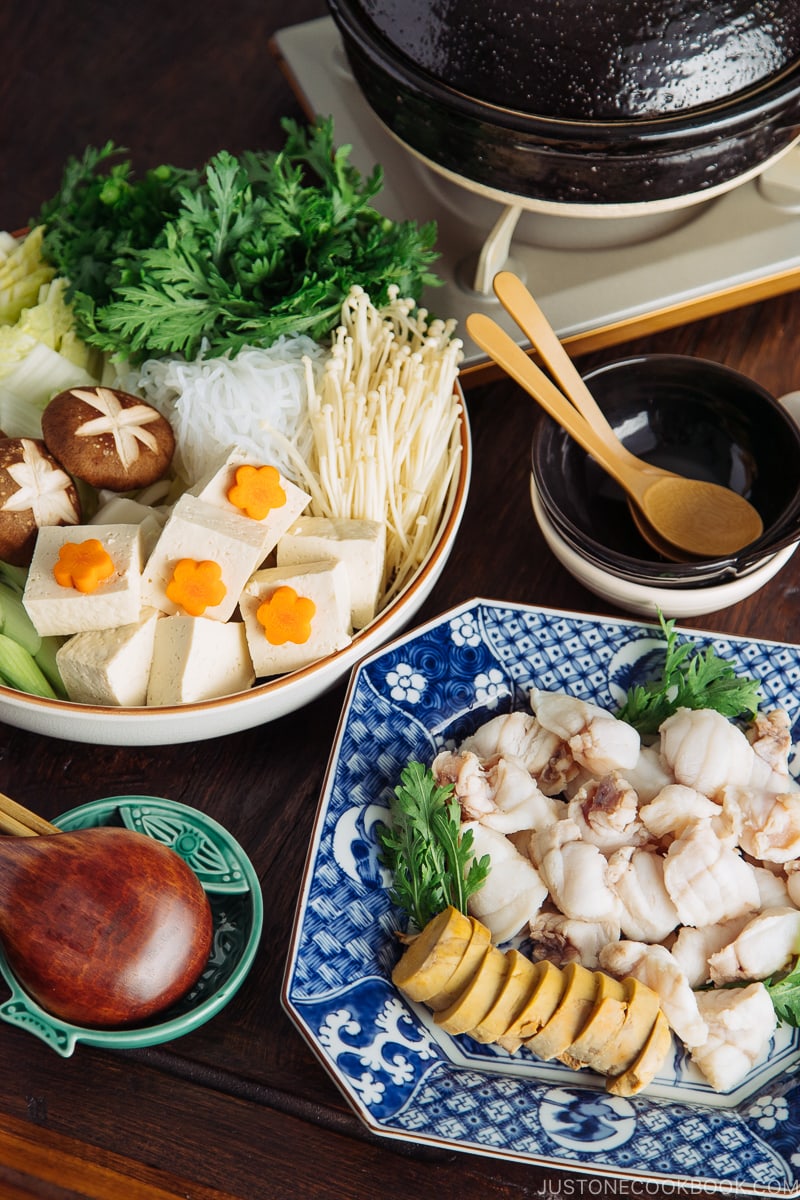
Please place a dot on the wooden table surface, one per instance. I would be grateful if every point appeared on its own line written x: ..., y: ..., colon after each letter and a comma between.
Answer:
x: 241, y: 1108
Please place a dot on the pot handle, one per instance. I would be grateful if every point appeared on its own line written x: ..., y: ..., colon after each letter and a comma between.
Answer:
x: 495, y: 252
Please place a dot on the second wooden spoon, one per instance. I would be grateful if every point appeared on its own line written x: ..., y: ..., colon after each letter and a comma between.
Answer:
x: 523, y: 308
x: 702, y: 518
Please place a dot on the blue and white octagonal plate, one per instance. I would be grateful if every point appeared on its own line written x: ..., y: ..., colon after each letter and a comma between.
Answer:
x: 404, y: 1077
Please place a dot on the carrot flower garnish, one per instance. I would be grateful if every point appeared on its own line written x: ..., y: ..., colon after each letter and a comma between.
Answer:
x: 286, y: 617
x: 257, y: 491
x: 83, y: 565
x: 196, y: 586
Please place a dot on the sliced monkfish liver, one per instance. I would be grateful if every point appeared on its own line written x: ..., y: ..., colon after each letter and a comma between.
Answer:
x: 432, y: 957
x: 570, y: 1016
x: 478, y: 996
x: 644, y: 1068
x: 537, y: 1009
x: 603, y: 1025
x: 643, y: 1005
x: 520, y: 977
x: 466, y: 967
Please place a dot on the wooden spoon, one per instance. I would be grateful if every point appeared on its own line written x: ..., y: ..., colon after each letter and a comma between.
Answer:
x: 102, y: 926
x: 701, y: 518
x: 520, y: 304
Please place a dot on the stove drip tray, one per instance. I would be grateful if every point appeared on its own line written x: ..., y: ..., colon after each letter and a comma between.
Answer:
x: 600, y: 279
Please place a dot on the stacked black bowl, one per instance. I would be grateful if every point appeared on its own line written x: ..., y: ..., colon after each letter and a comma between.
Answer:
x: 689, y: 415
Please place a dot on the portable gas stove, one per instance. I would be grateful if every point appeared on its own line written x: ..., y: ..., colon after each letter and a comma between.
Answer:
x: 599, y: 279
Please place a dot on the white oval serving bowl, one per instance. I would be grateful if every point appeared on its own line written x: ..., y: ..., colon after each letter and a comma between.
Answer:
x: 266, y: 701
x: 646, y: 600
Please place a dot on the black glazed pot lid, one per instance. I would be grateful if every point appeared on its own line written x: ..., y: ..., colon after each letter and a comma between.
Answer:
x: 590, y: 60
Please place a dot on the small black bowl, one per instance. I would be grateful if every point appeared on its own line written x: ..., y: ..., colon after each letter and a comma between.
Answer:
x: 689, y: 415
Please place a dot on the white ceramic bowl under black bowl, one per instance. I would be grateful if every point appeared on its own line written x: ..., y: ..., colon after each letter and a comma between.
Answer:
x: 697, y: 417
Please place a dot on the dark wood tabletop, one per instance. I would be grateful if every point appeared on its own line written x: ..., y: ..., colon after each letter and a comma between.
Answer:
x: 241, y: 1108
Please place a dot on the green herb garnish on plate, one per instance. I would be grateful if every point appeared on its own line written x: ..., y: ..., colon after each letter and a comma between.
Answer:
x: 690, y: 678
x: 250, y: 248
x: 431, y: 859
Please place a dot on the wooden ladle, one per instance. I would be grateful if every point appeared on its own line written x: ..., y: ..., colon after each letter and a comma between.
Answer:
x: 701, y: 518
x: 103, y: 926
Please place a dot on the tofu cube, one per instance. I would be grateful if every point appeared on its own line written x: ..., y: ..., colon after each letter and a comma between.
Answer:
x: 56, y: 609
x: 326, y: 585
x: 360, y: 545
x: 202, y: 532
x: 196, y: 658
x: 214, y: 490
x: 121, y: 510
x: 110, y: 666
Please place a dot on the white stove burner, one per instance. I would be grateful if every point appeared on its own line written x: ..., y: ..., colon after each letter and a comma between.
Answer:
x: 600, y: 280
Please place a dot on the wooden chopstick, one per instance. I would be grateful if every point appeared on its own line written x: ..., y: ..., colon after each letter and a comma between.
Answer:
x: 21, y: 822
